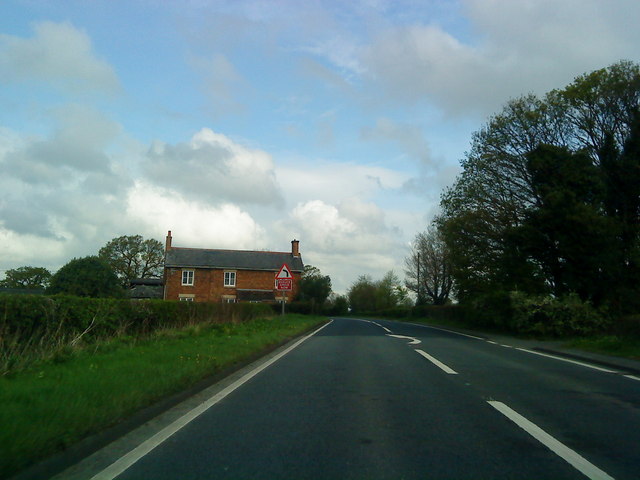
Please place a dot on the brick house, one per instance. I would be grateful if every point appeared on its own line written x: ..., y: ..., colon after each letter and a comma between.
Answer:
x: 207, y: 275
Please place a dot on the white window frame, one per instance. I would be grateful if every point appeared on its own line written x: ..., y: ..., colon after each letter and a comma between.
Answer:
x: 229, y: 278
x: 190, y: 277
x: 186, y: 297
x: 229, y: 299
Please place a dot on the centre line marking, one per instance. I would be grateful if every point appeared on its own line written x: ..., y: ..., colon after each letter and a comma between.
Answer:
x: 437, y: 362
x: 414, y: 341
x: 570, y: 456
x: 126, y: 461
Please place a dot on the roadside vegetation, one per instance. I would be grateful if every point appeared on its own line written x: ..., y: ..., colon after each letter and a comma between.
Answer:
x: 57, y: 400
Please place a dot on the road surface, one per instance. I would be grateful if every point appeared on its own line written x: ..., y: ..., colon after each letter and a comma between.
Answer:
x: 379, y: 399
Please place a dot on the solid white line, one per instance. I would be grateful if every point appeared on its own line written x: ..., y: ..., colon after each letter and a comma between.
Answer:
x: 437, y: 362
x: 560, y: 449
x: 414, y: 341
x: 568, y: 360
x: 633, y: 377
x: 147, y: 446
x: 386, y: 329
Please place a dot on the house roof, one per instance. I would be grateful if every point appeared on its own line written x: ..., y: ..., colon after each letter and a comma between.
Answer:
x: 235, y: 259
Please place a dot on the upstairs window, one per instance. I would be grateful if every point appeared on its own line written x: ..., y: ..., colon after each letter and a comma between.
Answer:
x: 229, y: 279
x: 187, y: 277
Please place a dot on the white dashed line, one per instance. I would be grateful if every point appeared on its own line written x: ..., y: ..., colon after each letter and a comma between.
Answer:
x: 572, y: 457
x: 437, y: 363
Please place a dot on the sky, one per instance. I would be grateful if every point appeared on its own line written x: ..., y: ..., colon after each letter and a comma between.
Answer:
x: 247, y: 124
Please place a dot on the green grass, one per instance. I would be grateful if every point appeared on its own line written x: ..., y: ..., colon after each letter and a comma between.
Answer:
x: 628, y: 347
x: 55, y: 404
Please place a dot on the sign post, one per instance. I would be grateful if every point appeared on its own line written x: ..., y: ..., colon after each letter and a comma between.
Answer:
x: 284, y: 282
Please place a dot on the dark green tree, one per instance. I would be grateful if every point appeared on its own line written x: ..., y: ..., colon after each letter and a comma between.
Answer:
x: 33, y: 278
x: 362, y: 295
x: 85, y: 277
x: 131, y: 256
x: 495, y: 201
x: 315, y: 288
x: 428, y: 268
x: 567, y: 234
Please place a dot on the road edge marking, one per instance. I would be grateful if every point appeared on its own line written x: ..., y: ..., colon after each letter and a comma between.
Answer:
x: 567, y: 454
x: 133, y: 456
x: 436, y: 362
x: 568, y: 360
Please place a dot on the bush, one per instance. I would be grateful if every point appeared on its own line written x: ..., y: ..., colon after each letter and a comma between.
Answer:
x: 557, y: 317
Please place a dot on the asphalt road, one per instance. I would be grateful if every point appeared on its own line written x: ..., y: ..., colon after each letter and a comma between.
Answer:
x: 374, y: 400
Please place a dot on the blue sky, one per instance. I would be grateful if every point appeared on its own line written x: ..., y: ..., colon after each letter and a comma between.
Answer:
x: 245, y: 124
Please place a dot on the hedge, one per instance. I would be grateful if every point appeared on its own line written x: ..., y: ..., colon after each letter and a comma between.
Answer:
x: 35, y: 327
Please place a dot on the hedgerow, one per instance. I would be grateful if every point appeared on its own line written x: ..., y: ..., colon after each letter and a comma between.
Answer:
x: 35, y: 327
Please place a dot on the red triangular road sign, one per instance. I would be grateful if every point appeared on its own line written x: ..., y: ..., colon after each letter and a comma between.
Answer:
x: 285, y: 272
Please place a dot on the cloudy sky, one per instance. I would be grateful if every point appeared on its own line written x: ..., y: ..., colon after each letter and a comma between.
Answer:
x: 246, y: 124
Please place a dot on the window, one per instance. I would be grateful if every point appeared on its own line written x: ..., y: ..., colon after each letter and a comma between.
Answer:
x: 186, y: 297
x: 187, y: 277
x: 228, y: 299
x: 229, y: 279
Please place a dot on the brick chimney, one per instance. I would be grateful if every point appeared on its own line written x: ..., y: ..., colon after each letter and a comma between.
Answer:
x: 167, y: 245
x: 295, y: 248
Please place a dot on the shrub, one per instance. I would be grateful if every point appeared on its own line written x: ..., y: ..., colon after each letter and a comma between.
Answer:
x: 557, y: 317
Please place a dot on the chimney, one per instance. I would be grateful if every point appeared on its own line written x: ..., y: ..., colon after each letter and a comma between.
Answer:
x: 168, y: 242
x: 295, y: 248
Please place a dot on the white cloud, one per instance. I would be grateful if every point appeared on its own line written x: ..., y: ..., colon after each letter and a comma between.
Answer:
x: 64, y: 185
x: 213, y: 168
x: 156, y: 210
x: 520, y: 47
x: 303, y: 180
x: 345, y: 240
x: 59, y: 54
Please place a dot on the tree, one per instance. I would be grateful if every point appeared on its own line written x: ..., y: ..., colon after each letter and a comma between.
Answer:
x: 314, y: 287
x: 362, y: 295
x: 366, y: 295
x: 428, y: 267
x: 567, y: 234
x: 34, y: 278
x: 85, y: 277
x: 131, y: 256
x: 337, y: 305
x: 496, y: 195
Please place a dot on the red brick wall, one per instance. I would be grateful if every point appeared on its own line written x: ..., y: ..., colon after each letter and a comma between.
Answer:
x: 208, y: 284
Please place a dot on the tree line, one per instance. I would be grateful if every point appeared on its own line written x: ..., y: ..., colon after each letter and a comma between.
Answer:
x: 106, y: 274
x: 547, y: 205
x: 540, y: 232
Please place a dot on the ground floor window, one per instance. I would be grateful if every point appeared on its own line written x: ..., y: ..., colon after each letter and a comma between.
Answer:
x: 187, y: 297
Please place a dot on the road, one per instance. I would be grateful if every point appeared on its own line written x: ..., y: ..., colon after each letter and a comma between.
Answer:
x: 375, y: 400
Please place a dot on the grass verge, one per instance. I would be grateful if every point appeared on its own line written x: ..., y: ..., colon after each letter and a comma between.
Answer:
x: 628, y: 347
x: 625, y: 346
x: 55, y: 404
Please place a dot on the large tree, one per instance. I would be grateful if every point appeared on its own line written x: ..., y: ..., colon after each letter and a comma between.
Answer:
x: 428, y: 268
x: 85, y: 277
x: 131, y: 256
x: 314, y: 287
x: 496, y: 193
x: 33, y: 278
